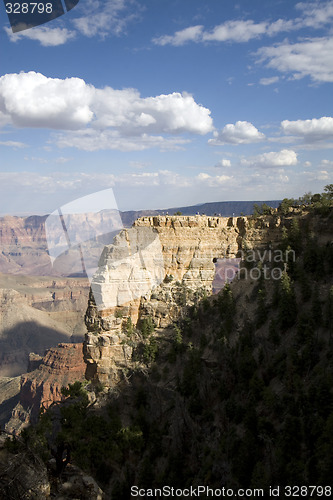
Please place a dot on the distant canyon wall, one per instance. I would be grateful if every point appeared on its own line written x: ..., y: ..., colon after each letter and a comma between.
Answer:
x: 37, y: 313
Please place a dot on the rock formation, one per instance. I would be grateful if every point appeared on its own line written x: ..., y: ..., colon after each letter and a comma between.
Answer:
x: 61, y: 366
x: 156, y: 269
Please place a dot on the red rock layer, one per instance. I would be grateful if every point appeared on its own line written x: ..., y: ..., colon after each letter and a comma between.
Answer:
x: 61, y: 366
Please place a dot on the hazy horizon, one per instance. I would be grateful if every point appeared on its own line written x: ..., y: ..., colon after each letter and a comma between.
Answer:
x: 42, y: 214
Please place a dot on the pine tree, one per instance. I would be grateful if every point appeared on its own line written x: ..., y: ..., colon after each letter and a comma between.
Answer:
x: 287, y: 302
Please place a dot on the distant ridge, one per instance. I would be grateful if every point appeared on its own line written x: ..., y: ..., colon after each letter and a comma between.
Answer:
x: 224, y: 208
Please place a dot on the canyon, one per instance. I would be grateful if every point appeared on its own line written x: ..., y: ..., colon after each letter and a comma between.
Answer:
x: 153, y: 271
x: 152, y: 294
x: 37, y: 313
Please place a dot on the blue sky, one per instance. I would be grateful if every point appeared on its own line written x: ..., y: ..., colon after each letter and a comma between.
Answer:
x: 168, y: 103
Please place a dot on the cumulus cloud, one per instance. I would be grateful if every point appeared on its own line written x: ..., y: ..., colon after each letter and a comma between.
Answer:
x: 310, y: 130
x: 241, y: 132
x: 33, y: 100
x: 214, y: 180
x: 283, y: 158
x: 103, y: 118
x: 48, y: 37
x: 311, y: 57
x: 171, y: 113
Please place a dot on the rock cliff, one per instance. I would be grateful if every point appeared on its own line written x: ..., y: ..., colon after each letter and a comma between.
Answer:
x: 61, y: 366
x: 157, y: 269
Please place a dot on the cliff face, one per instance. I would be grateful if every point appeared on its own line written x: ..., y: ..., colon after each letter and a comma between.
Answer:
x: 23, y: 246
x: 157, y: 269
x: 61, y: 366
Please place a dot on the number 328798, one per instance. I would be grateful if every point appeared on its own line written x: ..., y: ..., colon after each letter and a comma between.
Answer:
x: 28, y: 8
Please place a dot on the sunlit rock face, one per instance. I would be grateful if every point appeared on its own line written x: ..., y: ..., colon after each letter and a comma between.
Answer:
x: 129, y: 268
x: 154, y: 252
x: 157, y: 269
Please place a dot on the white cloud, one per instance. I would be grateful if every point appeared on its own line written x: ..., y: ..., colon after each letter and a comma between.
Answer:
x: 223, y: 163
x: 241, y: 133
x: 311, y: 130
x: 283, y: 158
x: 104, y: 17
x: 269, y: 81
x: 48, y: 37
x: 103, y: 118
x: 191, y: 34
x: 311, y: 57
x: 323, y: 175
x: 316, y: 14
x: 33, y: 100
x: 38, y: 183
x: 231, y: 31
x: 214, y: 180
x: 140, y: 179
x: 235, y: 31
x: 13, y: 144
x: 171, y: 113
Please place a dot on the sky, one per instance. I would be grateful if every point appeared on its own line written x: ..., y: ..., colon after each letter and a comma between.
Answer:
x: 168, y: 103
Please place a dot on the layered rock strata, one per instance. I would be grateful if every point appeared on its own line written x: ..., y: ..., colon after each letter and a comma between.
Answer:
x: 37, y: 313
x: 157, y: 268
x: 61, y: 366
